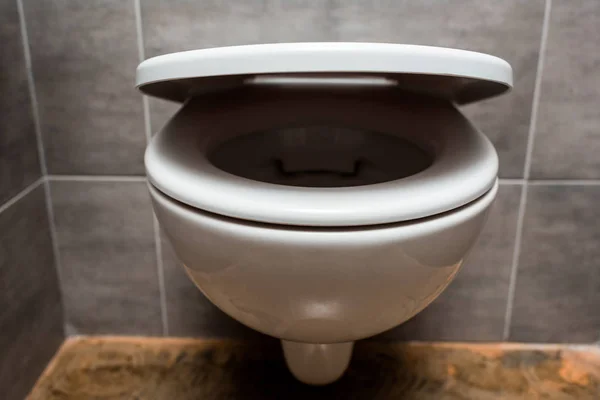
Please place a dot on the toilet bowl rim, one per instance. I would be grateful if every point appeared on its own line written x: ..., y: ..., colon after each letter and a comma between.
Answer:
x: 177, y: 163
x: 410, y: 228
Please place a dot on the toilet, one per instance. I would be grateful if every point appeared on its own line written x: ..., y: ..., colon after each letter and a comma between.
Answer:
x: 322, y: 193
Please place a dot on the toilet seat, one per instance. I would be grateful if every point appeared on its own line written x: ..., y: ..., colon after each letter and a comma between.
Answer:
x: 457, y: 75
x: 464, y: 164
x: 464, y: 167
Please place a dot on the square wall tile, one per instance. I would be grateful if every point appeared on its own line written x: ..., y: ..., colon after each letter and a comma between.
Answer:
x: 84, y: 56
x: 179, y: 25
x: 106, y: 243
x: 473, y: 307
x: 189, y: 312
x: 509, y: 29
x: 557, y: 297
x: 567, y: 141
x: 19, y: 163
x: 31, y: 318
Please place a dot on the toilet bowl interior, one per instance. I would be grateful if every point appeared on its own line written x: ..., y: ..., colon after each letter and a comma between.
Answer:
x: 272, y: 155
x: 320, y: 156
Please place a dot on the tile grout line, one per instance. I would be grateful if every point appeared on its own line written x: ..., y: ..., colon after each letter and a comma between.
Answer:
x: 537, y: 91
x: 563, y: 182
x: 42, y: 156
x: 97, y: 178
x: 147, y: 125
x: 15, y: 199
x: 55, y: 248
x: 31, y: 88
x: 514, y: 263
x: 527, y: 168
x: 148, y: 131
x: 510, y: 181
x: 161, y: 277
x: 138, y: 29
x: 141, y: 56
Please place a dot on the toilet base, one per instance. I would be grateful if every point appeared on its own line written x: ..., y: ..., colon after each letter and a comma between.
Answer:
x: 317, y: 364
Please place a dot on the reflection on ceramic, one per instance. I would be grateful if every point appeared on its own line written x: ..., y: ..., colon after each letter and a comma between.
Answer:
x: 318, y: 364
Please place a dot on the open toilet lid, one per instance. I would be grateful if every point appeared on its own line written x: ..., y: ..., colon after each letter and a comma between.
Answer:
x: 457, y: 75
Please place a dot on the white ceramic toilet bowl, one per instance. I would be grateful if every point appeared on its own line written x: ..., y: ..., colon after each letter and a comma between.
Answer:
x: 326, y: 263
x: 321, y: 213
x: 320, y: 285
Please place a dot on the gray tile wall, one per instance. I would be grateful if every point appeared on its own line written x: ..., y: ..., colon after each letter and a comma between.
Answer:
x: 106, y: 243
x: 19, y: 163
x: 534, y: 274
x: 31, y: 316
x: 84, y: 55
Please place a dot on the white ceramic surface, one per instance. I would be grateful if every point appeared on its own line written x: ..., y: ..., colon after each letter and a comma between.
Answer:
x: 320, y: 285
x: 322, y: 193
x: 456, y: 75
x: 317, y: 364
x: 464, y: 165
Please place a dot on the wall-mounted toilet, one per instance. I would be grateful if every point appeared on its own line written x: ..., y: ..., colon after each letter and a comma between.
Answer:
x: 322, y: 193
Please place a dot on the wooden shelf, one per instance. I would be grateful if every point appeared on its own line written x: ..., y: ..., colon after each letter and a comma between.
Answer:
x: 182, y: 369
